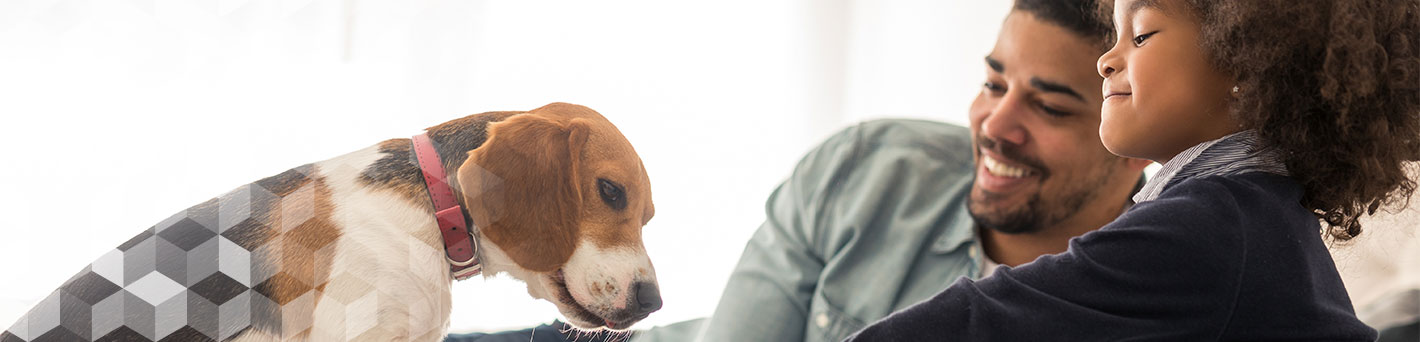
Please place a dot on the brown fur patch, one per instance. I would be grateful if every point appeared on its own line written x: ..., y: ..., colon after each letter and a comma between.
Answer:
x: 521, y: 192
x: 608, y: 155
x: 298, y: 236
x: 532, y: 187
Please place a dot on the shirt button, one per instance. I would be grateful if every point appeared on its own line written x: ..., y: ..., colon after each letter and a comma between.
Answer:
x: 973, y: 253
x: 822, y: 320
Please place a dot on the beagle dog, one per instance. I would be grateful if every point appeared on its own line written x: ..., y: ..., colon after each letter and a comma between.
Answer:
x: 359, y: 247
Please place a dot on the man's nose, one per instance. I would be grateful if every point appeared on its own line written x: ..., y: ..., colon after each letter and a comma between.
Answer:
x: 646, y: 298
x: 1004, y: 121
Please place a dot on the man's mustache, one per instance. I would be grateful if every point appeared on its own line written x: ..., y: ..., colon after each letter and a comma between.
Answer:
x: 1012, y: 153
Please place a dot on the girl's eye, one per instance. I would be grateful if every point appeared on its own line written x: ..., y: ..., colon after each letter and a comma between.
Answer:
x: 1139, y: 39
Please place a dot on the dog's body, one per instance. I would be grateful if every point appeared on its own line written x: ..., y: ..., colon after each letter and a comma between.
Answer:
x: 349, y: 249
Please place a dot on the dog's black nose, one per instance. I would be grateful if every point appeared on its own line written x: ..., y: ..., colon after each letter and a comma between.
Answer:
x: 648, y: 298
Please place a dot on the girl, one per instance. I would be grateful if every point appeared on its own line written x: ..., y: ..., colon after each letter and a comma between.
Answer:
x: 1267, y: 116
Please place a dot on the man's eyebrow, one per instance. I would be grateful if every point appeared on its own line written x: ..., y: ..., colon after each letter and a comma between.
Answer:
x: 1053, y: 87
x: 995, y: 64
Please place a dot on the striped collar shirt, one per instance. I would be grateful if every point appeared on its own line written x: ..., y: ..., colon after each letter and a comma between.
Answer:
x: 1235, y: 153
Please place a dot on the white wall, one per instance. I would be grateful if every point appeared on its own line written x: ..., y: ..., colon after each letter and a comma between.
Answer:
x: 117, y: 114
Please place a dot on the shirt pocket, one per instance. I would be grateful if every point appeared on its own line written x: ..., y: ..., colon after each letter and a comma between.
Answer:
x: 827, y: 322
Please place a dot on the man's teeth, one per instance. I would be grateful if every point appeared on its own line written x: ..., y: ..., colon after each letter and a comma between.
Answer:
x: 1002, y: 170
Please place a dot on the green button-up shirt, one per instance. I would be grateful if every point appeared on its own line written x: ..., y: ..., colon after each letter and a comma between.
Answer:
x: 870, y: 222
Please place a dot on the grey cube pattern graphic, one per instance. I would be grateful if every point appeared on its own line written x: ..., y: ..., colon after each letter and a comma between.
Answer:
x: 207, y: 274
x: 173, y: 282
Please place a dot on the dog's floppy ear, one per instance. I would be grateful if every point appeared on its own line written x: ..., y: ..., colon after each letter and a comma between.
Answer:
x: 522, y: 188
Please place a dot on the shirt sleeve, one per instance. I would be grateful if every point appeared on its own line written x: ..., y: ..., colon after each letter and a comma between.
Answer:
x: 1169, y: 269
x: 768, y: 294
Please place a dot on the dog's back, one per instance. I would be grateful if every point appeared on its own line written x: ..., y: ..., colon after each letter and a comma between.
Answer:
x: 199, y: 275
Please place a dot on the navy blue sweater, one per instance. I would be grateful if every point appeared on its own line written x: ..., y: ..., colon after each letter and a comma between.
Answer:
x: 1213, y: 258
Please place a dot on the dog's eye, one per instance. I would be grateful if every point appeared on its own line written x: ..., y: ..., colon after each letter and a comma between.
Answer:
x: 612, y: 194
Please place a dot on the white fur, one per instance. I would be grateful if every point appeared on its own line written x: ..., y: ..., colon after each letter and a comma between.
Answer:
x: 392, y: 246
x: 496, y: 261
x: 388, y: 277
x: 618, y: 267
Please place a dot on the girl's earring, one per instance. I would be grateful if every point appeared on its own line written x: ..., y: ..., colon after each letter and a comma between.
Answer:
x: 1236, y: 91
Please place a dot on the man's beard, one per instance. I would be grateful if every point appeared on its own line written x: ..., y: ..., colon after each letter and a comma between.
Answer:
x: 1022, y: 220
x: 1035, y: 214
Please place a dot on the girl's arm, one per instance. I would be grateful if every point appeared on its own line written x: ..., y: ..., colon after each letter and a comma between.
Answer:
x: 1169, y: 269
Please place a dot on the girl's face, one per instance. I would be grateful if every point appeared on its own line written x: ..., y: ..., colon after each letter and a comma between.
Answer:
x: 1161, y: 95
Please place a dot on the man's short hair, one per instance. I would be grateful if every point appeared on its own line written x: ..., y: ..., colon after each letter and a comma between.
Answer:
x: 1078, y: 16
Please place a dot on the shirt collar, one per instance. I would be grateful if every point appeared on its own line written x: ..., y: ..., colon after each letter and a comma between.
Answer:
x: 1232, y: 154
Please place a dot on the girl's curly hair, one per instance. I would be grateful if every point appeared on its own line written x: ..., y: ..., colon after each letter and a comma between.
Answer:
x: 1333, y: 86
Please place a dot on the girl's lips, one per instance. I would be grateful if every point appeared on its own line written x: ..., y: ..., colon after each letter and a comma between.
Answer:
x: 1114, y: 95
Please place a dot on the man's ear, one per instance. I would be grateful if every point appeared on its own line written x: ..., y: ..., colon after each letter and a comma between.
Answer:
x: 522, y: 188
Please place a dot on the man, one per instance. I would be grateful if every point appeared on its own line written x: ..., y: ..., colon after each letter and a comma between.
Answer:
x: 887, y: 213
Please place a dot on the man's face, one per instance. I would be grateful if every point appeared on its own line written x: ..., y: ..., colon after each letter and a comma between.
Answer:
x: 1035, y: 127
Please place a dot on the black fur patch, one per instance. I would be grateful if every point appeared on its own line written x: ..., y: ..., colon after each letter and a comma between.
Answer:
x: 452, y: 140
x: 286, y: 182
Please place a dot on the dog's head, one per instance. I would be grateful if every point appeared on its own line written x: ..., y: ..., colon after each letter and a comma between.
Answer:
x: 562, y: 194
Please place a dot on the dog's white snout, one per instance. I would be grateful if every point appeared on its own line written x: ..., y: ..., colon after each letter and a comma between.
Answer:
x: 617, y: 284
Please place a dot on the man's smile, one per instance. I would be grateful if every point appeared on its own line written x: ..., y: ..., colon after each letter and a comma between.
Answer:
x: 999, y: 175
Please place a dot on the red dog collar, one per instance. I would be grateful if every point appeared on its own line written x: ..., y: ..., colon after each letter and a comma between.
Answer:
x: 459, y: 245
